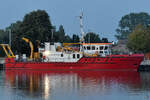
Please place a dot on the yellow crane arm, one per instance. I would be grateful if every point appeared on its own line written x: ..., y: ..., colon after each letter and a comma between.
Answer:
x: 25, y: 39
x: 31, y: 46
x: 68, y: 44
x: 12, y: 55
x: 4, y: 46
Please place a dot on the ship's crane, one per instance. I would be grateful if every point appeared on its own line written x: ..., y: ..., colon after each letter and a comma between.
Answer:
x: 69, y: 44
x: 33, y: 54
x: 7, y: 50
x: 66, y: 46
x: 31, y: 46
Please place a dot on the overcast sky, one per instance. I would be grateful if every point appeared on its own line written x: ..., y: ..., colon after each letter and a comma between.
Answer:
x: 100, y: 16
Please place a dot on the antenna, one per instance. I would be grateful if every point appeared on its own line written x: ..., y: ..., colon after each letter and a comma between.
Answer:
x: 81, y: 27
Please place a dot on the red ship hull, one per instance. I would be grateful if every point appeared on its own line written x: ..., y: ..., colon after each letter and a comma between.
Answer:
x: 112, y: 62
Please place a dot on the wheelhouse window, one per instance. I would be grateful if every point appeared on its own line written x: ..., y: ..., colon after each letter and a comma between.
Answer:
x: 61, y: 55
x: 88, y: 48
x: 93, y: 47
x: 101, y: 47
x: 106, y: 47
x: 84, y: 47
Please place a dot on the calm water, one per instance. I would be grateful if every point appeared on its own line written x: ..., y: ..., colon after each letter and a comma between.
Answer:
x: 80, y: 85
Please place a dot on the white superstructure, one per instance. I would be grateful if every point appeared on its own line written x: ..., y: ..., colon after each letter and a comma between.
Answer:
x: 55, y: 52
x: 53, y: 55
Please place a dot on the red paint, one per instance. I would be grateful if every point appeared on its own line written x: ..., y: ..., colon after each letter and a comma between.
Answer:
x: 112, y: 62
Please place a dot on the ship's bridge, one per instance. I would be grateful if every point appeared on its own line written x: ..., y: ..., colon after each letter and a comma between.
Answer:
x: 101, y: 49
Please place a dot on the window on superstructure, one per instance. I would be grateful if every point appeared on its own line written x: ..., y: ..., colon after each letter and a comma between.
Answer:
x: 61, y: 55
x: 84, y: 47
x: 74, y: 56
x: 93, y: 47
x: 106, y: 52
x: 101, y: 52
x: 106, y: 47
x: 101, y: 47
x: 78, y: 55
x: 88, y: 47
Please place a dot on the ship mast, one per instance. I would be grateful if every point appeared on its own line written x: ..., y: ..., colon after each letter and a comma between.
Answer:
x: 81, y: 28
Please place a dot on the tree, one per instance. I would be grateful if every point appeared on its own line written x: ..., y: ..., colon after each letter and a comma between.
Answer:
x: 3, y: 36
x: 104, y: 40
x: 15, y: 38
x: 67, y: 39
x: 75, y: 38
x: 92, y: 38
x: 138, y: 40
x: 60, y: 34
x: 36, y: 26
x: 128, y: 23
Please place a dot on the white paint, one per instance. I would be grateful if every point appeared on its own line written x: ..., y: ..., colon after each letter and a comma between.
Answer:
x: 51, y: 55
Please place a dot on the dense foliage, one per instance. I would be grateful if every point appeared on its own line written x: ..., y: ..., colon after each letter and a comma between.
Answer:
x: 3, y: 36
x: 92, y: 38
x: 128, y: 23
x: 139, y: 39
x: 36, y: 25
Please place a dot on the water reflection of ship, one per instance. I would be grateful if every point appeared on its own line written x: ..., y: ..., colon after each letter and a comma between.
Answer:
x: 43, y: 83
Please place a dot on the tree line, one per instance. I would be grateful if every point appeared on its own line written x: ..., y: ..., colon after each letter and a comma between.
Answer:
x: 37, y: 25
